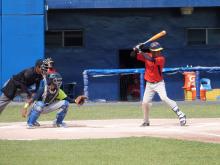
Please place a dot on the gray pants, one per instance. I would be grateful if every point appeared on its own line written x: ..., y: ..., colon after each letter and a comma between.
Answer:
x: 52, y: 107
x: 159, y: 88
x: 4, y: 101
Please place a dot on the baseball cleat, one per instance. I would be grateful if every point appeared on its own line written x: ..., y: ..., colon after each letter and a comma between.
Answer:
x: 145, y: 124
x: 37, y: 124
x: 55, y: 124
x: 30, y: 126
x: 182, y: 120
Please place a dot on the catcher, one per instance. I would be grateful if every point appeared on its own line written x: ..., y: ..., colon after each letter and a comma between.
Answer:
x: 49, y: 99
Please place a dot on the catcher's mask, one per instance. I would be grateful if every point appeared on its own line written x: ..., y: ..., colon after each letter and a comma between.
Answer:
x: 54, y: 78
x: 48, y: 63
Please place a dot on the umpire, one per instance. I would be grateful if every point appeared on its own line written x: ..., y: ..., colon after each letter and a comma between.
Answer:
x: 20, y: 83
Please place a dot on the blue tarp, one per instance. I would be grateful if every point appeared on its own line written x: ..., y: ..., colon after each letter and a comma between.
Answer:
x: 95, y: 4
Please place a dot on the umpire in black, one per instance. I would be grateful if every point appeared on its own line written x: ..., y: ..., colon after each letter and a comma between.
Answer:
x: 20, y: 83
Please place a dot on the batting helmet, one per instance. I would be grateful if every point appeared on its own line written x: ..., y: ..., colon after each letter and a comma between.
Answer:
x: 155, y: 46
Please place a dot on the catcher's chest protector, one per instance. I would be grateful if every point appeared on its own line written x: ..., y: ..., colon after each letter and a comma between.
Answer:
x: 49, y: 96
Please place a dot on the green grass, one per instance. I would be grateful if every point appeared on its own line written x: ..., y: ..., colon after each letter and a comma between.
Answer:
x: 124, y: 151
x: 120, y: 111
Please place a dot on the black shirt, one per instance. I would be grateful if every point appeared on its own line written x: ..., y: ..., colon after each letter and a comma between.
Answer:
x: 22, y: 81
x: 28, y: 77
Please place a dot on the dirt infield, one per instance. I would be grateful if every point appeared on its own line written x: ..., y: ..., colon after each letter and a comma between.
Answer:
x: 204, y: 130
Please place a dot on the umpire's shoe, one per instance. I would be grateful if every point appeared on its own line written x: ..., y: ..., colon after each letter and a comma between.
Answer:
x: 182, y: 120
x: 145, y: 124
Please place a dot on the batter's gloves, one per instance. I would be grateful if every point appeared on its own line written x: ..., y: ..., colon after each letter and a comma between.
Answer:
x: 139, y: 46
x: 80, y: 100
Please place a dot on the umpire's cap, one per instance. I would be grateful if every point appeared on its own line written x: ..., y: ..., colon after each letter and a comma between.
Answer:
x: 155, y: 46
x: 38, y: 63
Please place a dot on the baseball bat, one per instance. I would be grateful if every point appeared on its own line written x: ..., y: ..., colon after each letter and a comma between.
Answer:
x: 156, y: 36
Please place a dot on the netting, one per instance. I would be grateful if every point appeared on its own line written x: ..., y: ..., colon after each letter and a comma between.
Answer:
x: 140, y: 71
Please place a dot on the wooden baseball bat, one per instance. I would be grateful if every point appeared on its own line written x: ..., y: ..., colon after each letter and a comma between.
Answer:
x: 156, y: 36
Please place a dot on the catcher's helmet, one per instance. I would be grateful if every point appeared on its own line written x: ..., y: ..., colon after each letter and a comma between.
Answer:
x: 54, y: 78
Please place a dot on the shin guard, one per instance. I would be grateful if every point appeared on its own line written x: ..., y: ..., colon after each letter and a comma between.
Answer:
x: 33, y: 116
x: 62, y: 113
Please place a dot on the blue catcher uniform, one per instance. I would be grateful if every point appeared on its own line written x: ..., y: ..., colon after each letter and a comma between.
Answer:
x: 47, y: 100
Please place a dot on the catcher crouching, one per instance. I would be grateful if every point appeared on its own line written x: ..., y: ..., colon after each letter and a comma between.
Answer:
x: 48, y: 99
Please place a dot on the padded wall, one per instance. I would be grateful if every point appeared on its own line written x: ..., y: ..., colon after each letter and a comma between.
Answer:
x: 22, y: 35
x: 0, y: 42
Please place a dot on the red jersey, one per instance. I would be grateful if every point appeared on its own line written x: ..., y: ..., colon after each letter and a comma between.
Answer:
x: 153, y: 70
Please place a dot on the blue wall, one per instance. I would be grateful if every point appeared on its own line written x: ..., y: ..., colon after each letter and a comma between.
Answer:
x: 107, y: 31
x: 26, y: 7
x: 22, y: 35
x: 0, y: 42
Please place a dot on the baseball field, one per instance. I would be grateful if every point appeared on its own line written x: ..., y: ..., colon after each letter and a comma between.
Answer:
x: 109, y: 133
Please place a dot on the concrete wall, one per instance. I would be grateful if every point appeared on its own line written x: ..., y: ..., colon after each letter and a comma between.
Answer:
x: 107, y: 31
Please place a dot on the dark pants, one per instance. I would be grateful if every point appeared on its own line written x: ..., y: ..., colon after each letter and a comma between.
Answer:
x: 4, y: 101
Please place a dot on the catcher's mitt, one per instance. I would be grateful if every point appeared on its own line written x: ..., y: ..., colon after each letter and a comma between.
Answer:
x: 80, y: 100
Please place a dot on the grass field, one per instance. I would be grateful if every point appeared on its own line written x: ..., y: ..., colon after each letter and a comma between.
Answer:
x: 124, y: 151
x: 121, y: 111
x: 121, y: 151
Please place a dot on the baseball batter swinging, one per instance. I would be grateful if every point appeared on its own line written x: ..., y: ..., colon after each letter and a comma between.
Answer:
x: 154, y: 63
